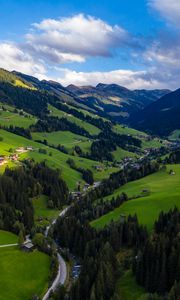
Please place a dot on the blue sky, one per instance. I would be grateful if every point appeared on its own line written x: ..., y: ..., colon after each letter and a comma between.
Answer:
x: 132, y: 43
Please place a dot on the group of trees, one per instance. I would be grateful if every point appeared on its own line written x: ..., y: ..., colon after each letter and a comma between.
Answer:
x: 17, y: 188
x: 87, y: 174
x: 157, y: 264
x: 97, y: 250
x: 174, y: 157
x: 98, y: 122
x: 30, y: 100
x: 25, y: 132
x: 122, y: 177
x: 107, y: 141
x: 50, y: 124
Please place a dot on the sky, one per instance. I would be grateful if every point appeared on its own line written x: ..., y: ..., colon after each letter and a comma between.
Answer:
x: 131, y: 43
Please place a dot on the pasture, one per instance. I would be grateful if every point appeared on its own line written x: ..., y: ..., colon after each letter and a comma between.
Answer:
x: 10, y: 117
x: 23, y: 274
x: 53, y: 157
x: 65, y: 138
x: 42, y: 211
x: 7, y: 237
x: 93, y: 130
x: 164, y: 191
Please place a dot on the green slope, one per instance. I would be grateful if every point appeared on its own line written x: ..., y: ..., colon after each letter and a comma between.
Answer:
x: 54, y: 158
x: 164, y: 191
x: 66, y: 138
x: 23, y: 274
x: 87, y: 126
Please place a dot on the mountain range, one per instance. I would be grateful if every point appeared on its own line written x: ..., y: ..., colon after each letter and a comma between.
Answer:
x: 155, y: 111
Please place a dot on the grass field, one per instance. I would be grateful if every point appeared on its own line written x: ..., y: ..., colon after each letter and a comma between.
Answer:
x: 175, y: 135
x: 164, y: 194
x: 7, y: 237
x: 154, y: 143
x: 120, y: 153
x: 23, y: 274
x: 53, y: 157
x: 9, y: 117
x: 128, y: 289
x: 87, y: 126
x: 66, y: 138
x: 41, y: 210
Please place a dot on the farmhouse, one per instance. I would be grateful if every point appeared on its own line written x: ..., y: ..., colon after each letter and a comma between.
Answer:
x: 14, y: 157
x: 21, y: 150
x: 28, y: 246
x: 29, y: 148
x: 98, y: 168
x: 2, y: 160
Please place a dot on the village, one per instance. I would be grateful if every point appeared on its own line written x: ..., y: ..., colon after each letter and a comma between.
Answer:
x: 15, y: 155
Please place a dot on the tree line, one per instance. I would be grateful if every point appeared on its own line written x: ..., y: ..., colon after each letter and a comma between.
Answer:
x: 18, y: 187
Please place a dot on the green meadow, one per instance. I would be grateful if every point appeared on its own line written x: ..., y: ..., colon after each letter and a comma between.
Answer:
x: 175, y: 135
x: 153, y: 143
x: 23, y: 274
x: 65, y: 138
x: 120, y: 153
x: 41, y: 210
x: 87, y: 126
x: 8, y: 118
x: 163, y: 194
x: 7, y: 237
x: 53, y: 157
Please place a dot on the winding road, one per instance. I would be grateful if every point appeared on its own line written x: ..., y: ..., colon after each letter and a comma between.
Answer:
x: 62, y: 270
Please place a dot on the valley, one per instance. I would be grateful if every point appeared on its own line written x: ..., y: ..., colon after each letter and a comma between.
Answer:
x: 85, y: 185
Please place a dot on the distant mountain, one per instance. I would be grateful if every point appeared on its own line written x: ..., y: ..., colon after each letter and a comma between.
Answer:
x: 117, y: 101
x: 161, y: 117
x: 107, y: 100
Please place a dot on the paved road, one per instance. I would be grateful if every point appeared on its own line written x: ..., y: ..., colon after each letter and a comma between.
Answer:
x: 62, y: 270
x: 60, y: 278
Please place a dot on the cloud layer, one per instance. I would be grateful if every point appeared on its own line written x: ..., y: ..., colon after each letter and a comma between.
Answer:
x: 75, y: 38
x: 169, y: 10
x: 52, y: 43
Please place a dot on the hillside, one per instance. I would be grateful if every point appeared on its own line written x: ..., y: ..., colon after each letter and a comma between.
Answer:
x: 112, y: 101
x: 161, y: 117
x: 115, y: 101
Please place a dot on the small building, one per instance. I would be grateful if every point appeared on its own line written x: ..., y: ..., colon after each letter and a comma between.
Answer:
x: 14, y: 157
x: 29, y: 148
x: 75, y: 195
x: 1, y: 160
x: 98, y: 168
x: 86, y: 187
x: 171, y: 172
x: 28, y: 246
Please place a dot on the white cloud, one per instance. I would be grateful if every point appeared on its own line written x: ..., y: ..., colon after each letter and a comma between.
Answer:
x: 75, y: 38
x: 12, y: 57
x: 169, y: 9
x: 130, y: 79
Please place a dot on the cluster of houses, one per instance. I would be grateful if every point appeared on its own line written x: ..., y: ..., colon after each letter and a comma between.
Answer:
x: 14, y: 156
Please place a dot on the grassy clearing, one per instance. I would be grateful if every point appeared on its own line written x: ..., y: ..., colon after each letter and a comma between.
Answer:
x: 127, y: 130
x: 164, y: 191
x: 8, y: 118
x: 175, y: 135
x: 128, y: 289
x: 87, y: 126
x: 154, y: 143
x: 41, y: 209
x: 23, y: 274
x: 120, y: 153
x: 53, y: 157
x: 7, y: 237
x: 21, y: 84
x: 66, y: 138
